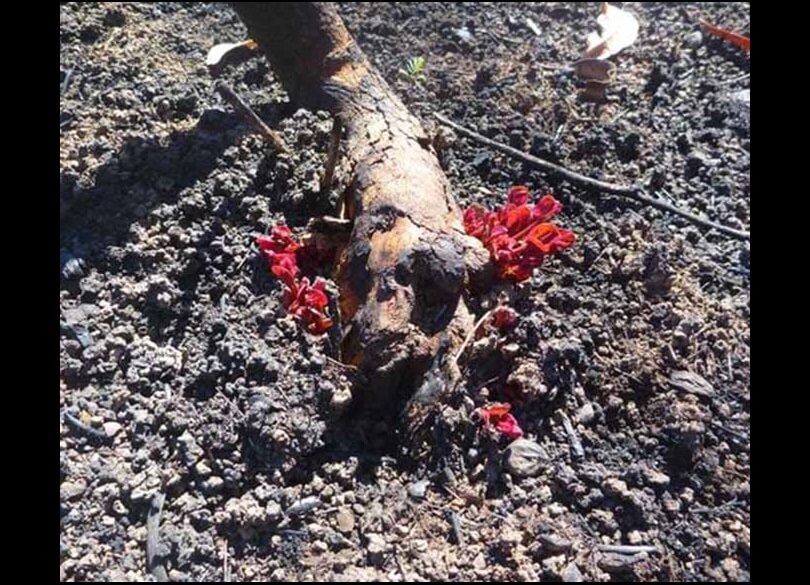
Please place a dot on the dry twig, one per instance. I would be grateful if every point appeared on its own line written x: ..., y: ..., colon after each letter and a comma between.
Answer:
x: 634, y: 192
x: 241, y: 106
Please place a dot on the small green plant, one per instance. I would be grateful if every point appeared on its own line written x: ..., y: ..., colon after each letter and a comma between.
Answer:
x: 414, y: 70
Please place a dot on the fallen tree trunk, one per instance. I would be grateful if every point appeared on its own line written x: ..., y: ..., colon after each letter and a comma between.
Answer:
x: 402, y: 274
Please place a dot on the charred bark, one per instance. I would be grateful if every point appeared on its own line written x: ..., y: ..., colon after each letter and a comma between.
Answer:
x: 402, y: 275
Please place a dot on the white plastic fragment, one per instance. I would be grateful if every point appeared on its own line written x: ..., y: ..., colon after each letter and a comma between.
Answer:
x: 218, y: 52
x: 619, y: 31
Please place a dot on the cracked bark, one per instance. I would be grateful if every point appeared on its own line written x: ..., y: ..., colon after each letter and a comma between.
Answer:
x: 402, y: 275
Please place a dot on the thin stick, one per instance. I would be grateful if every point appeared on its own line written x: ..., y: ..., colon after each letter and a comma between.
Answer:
x: 733, y: 433
x: 332, y: 155
x: 340, y: 365
x: 630, y: 191
x: 597, y: 259
x: 238, y: 104
x: 576, y: 444
x: 703, y: 510
x: 330, y: 224
x: 735, y: 79
x: 470, y: 335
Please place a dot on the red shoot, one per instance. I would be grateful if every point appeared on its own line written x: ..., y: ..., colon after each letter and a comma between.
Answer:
x: 496, y: 417
x: 518, y: 235
x: 306, y: 302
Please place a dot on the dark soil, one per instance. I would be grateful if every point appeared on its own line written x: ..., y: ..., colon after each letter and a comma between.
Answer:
x: 181, y: 375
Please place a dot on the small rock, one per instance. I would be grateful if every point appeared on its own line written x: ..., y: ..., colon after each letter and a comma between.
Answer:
x: 742, y: 97
x: 418, y: 488
x: 112, y: 428
x: 697, y: 161
x: 525, y: 458
x: 213, y: 485
x: 278, y: 575
x: 479, y: 562
x: 553, y: 566
x: 319, y: 547
x: 141, y: 494
x: 671, y: 505
x: 572, y: 574
x: 70, y: 490
x: 615, y: 487
x: 694, y: 39
x: 731, y: 567
x: 616, y: 563
x: 337, y: 541
x: 345, y: 520
x: 527, y: 575
x: 684, y: 144
x: 586, y: 414
x: 554, y: 543
x: 655, y: 478
x: 340, y: 400
x: 376, y: 548
x: 482, y: 162
x: 419, y: 545
x: 246, y: 511
x: 73, y: 269
x: 526, y: 376
x: 202, y: 469
x: 464, y: 34
x: 117, y: 576
x: 273, y: 511
x: 304, y: 506
x: 115, y: 17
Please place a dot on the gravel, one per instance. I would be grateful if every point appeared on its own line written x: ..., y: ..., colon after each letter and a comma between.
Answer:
x: 181, y: 375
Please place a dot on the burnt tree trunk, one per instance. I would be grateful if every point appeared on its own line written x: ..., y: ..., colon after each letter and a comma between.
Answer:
x: 402, y: 275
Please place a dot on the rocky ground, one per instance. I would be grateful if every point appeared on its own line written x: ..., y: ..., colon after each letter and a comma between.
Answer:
x: 182, y: 379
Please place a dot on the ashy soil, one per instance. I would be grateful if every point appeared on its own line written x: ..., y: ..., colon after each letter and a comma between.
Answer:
x: 182, y: 379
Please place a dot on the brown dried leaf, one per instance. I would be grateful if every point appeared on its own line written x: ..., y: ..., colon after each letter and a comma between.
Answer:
x: 619, y: 31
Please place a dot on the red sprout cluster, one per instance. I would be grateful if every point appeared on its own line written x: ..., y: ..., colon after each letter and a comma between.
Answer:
x: 518, y: 235
x: 307, y: 302
x: 496, y: 417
